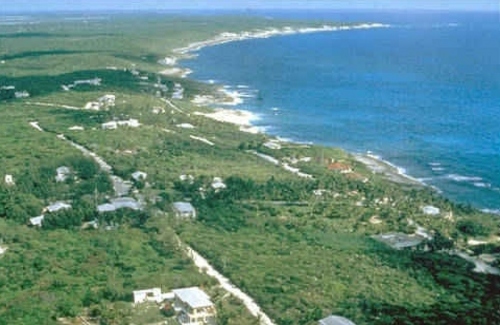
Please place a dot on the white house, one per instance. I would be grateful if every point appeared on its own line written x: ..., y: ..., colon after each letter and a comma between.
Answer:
x: 430, y: 210
x: 335, y: 320
x: 93, y: 106
x: 9, y: 180
x: 107, y: 100
x: 54, y: 207
x: 218, y: 184
x: 133, y: 123
x: 119, y: 203
x: 194, y: 307
x: 148, y: 295
x: 184, y: 210
x: 109, y: 125
x: 139, y: 176
x: 37, y: 221
x: 62, y: 173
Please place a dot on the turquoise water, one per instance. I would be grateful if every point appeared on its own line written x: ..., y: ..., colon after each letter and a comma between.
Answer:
x: 423, y: 94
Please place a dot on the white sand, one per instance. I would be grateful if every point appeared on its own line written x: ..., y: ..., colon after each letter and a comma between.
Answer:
x: 236, y: 117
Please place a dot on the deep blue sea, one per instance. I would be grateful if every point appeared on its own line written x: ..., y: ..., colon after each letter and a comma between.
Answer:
x: 423, y: 94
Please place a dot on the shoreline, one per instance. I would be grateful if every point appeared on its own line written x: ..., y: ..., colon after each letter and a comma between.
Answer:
x: 244, y: 118
x: 187, y: 52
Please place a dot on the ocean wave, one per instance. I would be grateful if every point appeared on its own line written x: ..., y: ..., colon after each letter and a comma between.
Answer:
x: 461, y: 178
x: 491, y: 211
x: 482, y: 184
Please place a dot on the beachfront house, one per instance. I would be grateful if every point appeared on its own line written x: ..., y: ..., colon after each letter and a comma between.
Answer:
x: 194, y: 307
x: 184, y: 210
x: 335, y: 320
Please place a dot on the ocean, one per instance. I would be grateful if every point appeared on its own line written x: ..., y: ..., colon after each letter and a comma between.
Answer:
x: 423, y: 94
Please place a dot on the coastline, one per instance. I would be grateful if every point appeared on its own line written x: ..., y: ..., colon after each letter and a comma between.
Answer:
x: 244, y: 118
x: 187, y: 52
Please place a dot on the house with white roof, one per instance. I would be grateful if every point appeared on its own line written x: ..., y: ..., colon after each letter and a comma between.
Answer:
x: 62, y: 173
x: 335, y: 320
x: 148, y: 295
x: 9, y: 180
x: 37, y: 221
x: 431, y: 210
x: 120, y: 203
x: 184, y: 210
x: 218, y: 184
x: 194, y: 307
x: 54, y: 207
x: 139, y: 176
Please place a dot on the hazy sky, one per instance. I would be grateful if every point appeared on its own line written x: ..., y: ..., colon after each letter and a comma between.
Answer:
x: 53, y: 5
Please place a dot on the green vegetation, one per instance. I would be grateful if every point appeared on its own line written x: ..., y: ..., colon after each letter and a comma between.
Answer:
x: 301, y: 247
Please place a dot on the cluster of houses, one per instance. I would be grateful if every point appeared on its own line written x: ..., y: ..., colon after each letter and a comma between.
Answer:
x: 54, y: 207
x: 12, y: 90
x: 192, y: 305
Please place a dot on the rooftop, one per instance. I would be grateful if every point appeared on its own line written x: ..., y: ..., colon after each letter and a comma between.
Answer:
x: 194, y: 297
x: 335, y: 320
x: 183, y: 207
x: 399, y: 240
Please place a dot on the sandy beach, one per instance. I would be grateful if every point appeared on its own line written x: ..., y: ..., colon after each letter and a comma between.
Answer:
x: 227, y: 37
x: 392, y: 172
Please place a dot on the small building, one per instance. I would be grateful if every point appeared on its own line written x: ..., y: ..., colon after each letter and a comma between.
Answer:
x: 399, y: 240
x: 133, y: 123
x: 62, y: 173
x: 37, y: 221
x: 93, y: 106
x: 194, y: 307
x: 109, y: 125
x: 218, y: 184
x: 76, y: 128
x: 22, y: 94
x: 187, y: 178
x: 148, y: 295
x: 3, y: 249
x: 119, y: 203
x: 9, y: 180
x: 431, y: 210
x: 139, y: 176
x: 107, y: 100
x: 57, y: 206
x: 184, y: 210
x: 335, y: 320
